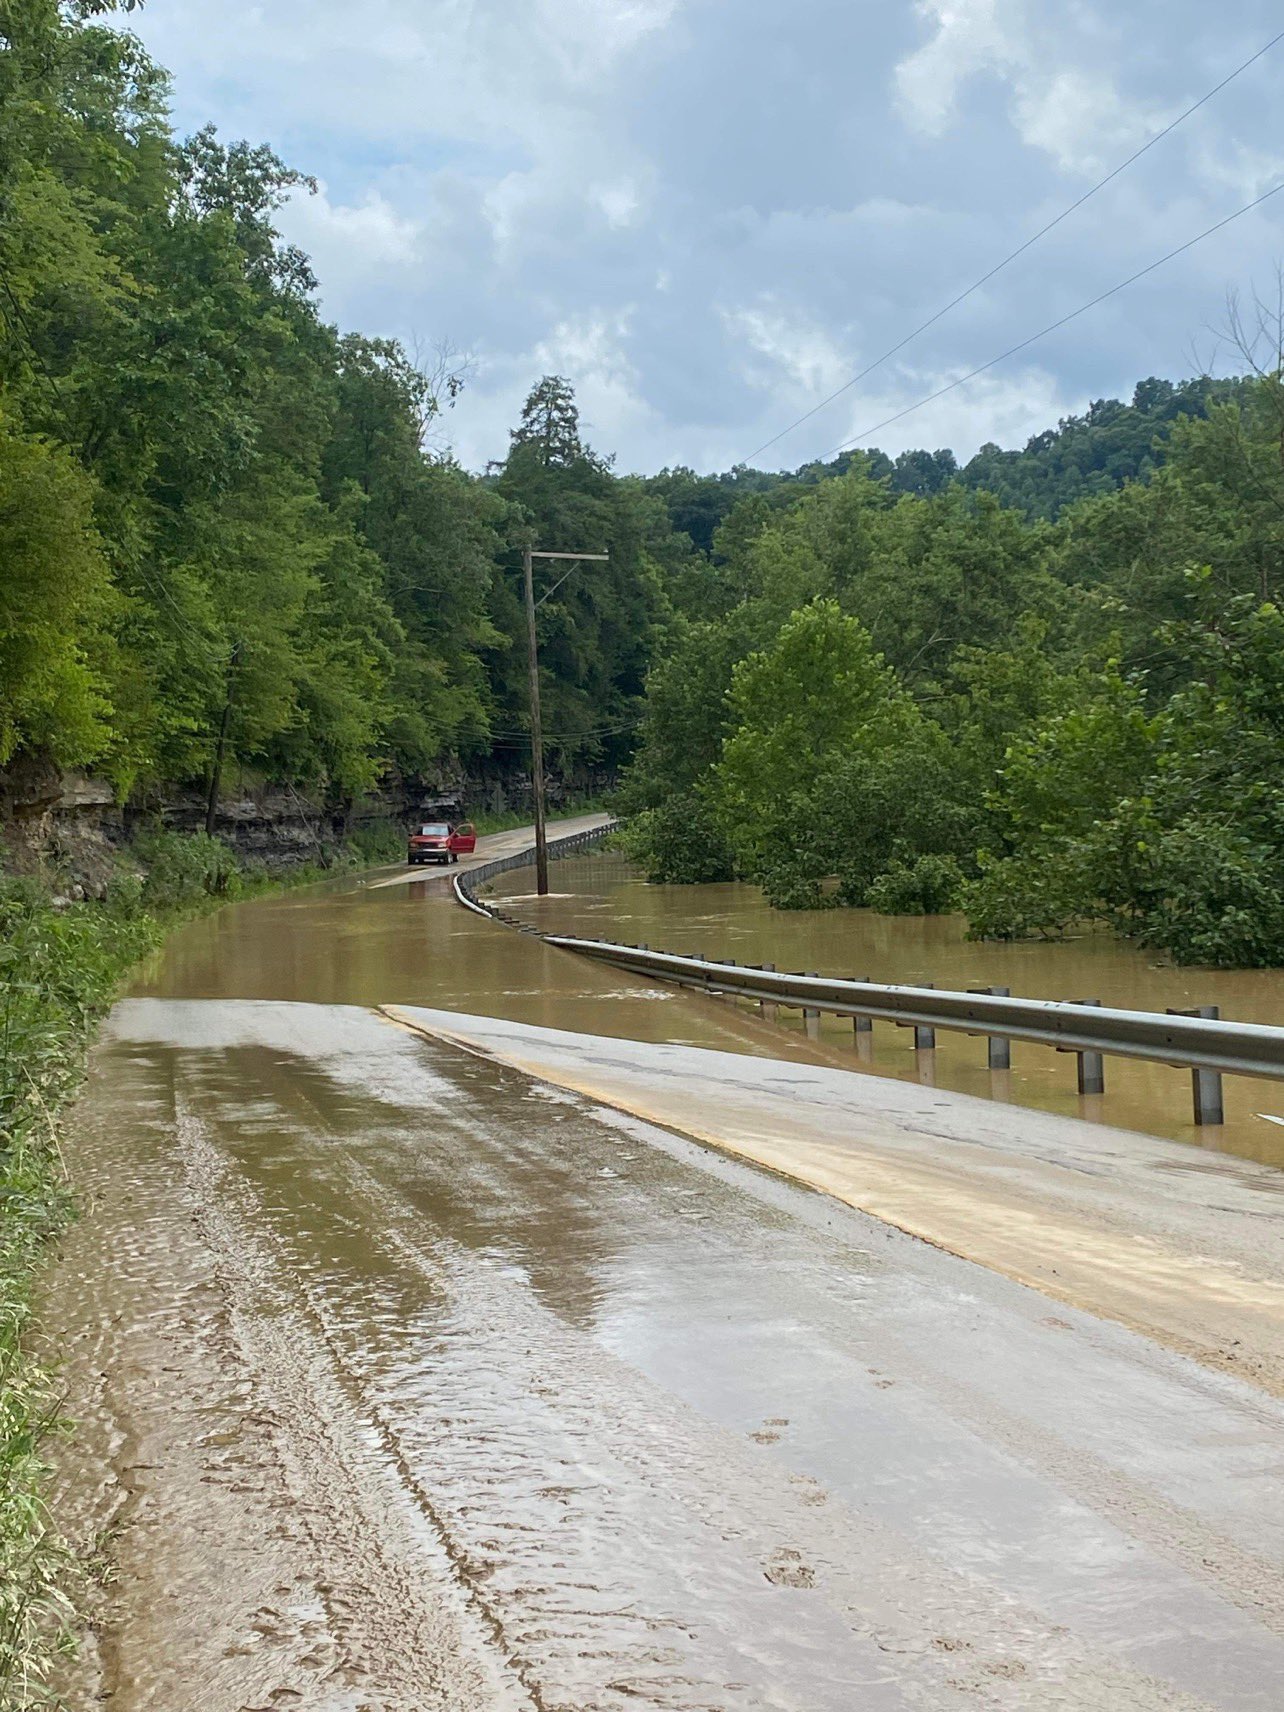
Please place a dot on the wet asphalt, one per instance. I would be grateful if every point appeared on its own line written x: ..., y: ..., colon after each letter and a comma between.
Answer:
x: 409, y: 1380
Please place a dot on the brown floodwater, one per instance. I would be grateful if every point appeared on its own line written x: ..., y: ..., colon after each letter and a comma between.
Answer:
x: 383, y: 939
x: 408, y: 1380
x: 602, y: 895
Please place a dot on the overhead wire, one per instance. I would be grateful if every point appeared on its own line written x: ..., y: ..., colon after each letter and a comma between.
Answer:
x: 1021, y: 248
x: 1064, y: 320
x: 513, y: 737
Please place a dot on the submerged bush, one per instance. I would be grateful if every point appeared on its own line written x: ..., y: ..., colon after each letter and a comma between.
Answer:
x: 1217, y: 898
x: 928, y: 886
x: 1034, y: 895
x: 678, y: 844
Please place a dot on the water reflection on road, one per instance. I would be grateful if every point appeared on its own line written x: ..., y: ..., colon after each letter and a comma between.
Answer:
x: 363, y: 941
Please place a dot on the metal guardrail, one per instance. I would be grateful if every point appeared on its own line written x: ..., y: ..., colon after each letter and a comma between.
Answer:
x: 466, y: 884
x: 1206, y: 1046
x: 1201, y: 1043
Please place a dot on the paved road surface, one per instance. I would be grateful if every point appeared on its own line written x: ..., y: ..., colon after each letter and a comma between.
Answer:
x: 409, y: 1380
x: 492, y: 848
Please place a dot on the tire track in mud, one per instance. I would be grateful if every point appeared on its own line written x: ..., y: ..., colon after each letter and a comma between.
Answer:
x: 260, y: 1559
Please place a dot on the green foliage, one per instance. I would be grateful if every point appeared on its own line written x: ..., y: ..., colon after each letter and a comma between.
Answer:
x: 831, y: 769
x: 184, y: 870
x: 679, y: 844
x: 58, y: 973
x: 929, y: 885
x: 1216, y: 897
x: 54, y: 604
x: 1097, y: 453
x: 378, y: 841
x: 598, y: 636
x: 1027, y: 896
x: 894, y: 690
x: 223, y: 504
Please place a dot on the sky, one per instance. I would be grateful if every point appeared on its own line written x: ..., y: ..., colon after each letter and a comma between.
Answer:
x: 710, y: 214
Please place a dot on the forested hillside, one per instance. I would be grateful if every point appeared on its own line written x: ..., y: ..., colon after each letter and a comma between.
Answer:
x: 211, y: 500
x: 918, y: 702
x: 1046, y: 685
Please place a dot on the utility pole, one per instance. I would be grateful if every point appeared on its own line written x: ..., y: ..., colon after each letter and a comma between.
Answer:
x: 537, y: 732
x: 216, y: 772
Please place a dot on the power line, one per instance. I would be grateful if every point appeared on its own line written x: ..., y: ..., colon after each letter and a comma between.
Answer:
x: 509, y: 738
x: 1074, y: 314
x: 1021, y: 248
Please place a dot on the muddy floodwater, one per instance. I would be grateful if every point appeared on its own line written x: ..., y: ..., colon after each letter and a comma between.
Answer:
x: 409, y: 1377
x: 385, y: 938
x: 604, y: 896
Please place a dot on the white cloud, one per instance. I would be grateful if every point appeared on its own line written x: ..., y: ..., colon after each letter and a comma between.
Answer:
x: 591, y: 35
x: 1004, y: 407
x: 370, y: 231
x: 1072, y: 113
x: 710, y: 215
x: 620, y: 202
x: 971, y: 36
x: 788, y: 347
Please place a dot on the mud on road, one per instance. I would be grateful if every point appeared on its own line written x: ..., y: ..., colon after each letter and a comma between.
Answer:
x: 409, y: 1381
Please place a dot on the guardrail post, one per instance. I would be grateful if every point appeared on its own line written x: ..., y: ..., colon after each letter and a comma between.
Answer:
x: 1205, y: 1085
x: 1092, y: 1066
x: 811, y: 1017
x: 924, y: 1033
x: 997, y: 1046
x: 768, y: 1009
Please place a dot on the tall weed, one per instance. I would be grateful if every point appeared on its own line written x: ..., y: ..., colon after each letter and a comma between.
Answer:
x: 58, y: 972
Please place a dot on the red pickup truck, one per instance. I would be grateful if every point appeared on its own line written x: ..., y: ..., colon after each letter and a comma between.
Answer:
x: 438, y: 841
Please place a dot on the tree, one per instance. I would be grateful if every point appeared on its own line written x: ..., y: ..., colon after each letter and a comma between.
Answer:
x: 830, y: 769
x: 550, y: 425
x: 55, y: 606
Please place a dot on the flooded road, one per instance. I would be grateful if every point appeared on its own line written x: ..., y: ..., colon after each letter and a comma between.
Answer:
x: 603, y: 896
x: 411, y: 1379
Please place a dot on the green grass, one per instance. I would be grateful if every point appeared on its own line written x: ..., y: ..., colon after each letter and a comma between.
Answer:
x: 60, y: 969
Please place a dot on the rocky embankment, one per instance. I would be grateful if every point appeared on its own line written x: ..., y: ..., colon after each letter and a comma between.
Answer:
x: 73, y: 825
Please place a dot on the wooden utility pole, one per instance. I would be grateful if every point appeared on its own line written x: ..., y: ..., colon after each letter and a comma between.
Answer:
x: 216, y: 772
x: 537, y: 732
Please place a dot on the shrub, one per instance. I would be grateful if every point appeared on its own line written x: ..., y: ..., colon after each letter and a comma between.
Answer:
x: 1037, y: 894
x: 788, y: 885
x: 928, y: 886
x: 185, y: 869
x: 678, y: 844
x: 378, y: 841
x: 1218, y: 898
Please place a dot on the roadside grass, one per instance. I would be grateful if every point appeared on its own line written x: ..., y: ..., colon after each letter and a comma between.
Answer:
x: 61, y: 966
x: 59, y: 970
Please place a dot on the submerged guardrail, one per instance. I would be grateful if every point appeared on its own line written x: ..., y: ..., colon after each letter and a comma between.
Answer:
x: 1200, y: 1042
x: 466, y: 884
